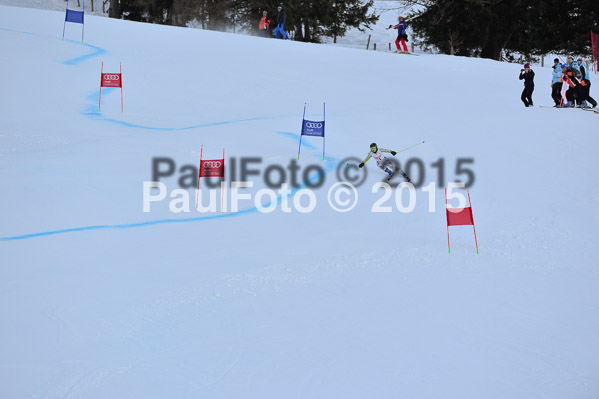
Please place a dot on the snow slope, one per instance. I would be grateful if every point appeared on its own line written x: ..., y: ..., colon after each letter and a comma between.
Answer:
x: 386, y: 10
x: 323, y: 304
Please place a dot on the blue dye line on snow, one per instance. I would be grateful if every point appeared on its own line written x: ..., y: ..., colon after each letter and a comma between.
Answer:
x: 329, y: 167
x: 296, y: 137
x: 98, y: 51
x: 74, y: 61
x: 95, y: 115
x: 125, y: 226
x: 18, y: 31
x: 92, y: 113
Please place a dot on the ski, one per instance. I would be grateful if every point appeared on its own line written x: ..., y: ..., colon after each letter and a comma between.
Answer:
x: 404, y: 175
x: 401, y: 52
x: 551, y: 106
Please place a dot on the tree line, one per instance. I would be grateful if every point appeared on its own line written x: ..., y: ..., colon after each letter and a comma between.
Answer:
x: 311, y: 20
x: 484, y: 28
x: 490, y: 28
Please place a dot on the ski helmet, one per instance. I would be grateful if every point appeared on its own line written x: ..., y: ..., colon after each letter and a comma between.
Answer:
x: 373, y: 145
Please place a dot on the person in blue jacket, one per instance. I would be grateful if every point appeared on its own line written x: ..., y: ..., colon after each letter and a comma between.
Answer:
x: 556, y: 83
x: 280, y: 29
x: 586, y: 84
x: 402, y: 36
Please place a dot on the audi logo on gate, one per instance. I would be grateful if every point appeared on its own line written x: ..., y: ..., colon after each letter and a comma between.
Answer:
x: 111, y: 77
x: 313, y: 125
x: 212, y: 164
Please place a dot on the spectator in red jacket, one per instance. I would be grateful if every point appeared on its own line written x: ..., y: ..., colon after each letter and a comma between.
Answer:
x: 264, y: 24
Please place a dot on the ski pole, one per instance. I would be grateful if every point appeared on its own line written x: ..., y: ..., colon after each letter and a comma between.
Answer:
x: 410, y: 147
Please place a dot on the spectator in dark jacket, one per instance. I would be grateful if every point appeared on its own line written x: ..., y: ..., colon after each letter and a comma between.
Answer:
x: 585, y: 82
x: 528, y: 76
x: 569, y: 78
x: 280, y: 29
x: 264, y: 23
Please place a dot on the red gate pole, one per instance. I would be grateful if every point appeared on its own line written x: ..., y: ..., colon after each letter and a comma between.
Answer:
x: 199, y: 175
x: 101, y: 78
x: 448, y: 246
x: 475, y: 240
x: 222, y: 198
x: 121, y: 67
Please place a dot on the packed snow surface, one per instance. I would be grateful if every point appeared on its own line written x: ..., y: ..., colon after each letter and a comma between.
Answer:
x: 99, y: 299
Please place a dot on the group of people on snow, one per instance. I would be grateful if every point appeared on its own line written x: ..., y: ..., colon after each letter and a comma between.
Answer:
x: 573, y: 73
x: 279, y: 30
x: 576, y: 75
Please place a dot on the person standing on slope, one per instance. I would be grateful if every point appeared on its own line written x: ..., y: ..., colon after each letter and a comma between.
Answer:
x: 382, y: 162
x: 402, y: 36
x: 264, y: 23
x: 574, y: 74
x: 528, y: 76
x: 586, y: 85
x: 556, y: 83
x: 571, y: 93
x: 280, y: 23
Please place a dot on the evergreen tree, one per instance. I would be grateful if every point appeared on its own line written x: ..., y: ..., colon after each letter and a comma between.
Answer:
x: 345, y: 14
x: 487, y: 27
x: 564, y: 26
x: 310, y: 19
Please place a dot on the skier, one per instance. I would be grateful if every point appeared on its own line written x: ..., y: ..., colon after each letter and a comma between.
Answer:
x: 556, y: 83
x: 528, y: 76
x: 264, y: 23
x: 401, y: 35
x: 586, y: 85
x: 382, y: 162
x: 280, y: 23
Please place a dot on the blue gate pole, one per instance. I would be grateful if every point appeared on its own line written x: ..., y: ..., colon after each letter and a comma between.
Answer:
x: 83, y: 22
x: 302, y: 132
x: 65, y: 20
x: 324, y: 120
